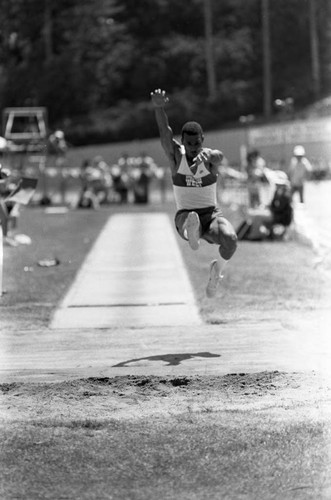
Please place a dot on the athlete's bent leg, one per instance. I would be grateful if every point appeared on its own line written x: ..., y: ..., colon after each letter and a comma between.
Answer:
x: 189, y: 227
x: 180, y: 220
x: 221, y: 232
x: 193, y: 229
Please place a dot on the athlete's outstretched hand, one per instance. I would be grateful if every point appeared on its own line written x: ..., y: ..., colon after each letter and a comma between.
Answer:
x: 203, y: 156
x: 159, y: 98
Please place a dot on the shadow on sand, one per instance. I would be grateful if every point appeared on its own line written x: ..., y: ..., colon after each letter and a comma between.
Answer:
x: 170, y: 359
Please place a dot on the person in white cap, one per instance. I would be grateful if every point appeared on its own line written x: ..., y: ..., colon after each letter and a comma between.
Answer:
x: 299, y: 170
x: 194, y: 171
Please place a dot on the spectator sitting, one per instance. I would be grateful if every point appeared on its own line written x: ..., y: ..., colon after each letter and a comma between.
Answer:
x: 281, y: 205
x: 88, y: 198
x: 144, y: 170
x: 269, y: 222
x: 102, y: 179
x: 14, y: 192
x: 121, y: 176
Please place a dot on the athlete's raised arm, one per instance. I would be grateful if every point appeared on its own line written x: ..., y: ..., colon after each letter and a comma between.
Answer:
x: 169, y: 144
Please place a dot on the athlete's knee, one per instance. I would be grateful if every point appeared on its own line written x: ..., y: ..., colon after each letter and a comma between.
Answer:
x: 228, y: 245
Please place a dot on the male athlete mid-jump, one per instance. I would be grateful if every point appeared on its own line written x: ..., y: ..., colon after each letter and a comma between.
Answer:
x: 194, y: 170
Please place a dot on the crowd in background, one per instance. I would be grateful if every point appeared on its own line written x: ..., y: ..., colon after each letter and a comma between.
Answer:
x: 270, y: 192
x: 97, y: 182
x: 126, y: 181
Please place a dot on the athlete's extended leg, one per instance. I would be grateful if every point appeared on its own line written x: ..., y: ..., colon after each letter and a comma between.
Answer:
x: 214, y: 277
x: 222, y: 233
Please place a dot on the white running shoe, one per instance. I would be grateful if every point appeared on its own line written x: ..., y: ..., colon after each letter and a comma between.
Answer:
x: 193, y: 230
x: 214, y: 278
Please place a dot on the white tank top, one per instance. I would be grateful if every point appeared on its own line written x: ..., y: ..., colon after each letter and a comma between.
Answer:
x: 194, y: 190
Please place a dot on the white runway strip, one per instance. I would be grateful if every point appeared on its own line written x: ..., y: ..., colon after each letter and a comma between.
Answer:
x: 134, y: 276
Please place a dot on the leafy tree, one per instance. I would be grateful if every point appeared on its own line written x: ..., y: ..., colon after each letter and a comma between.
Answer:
x: 93, y: 64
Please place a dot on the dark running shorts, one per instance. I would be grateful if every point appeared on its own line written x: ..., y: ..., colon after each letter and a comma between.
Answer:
x: 206, y: 216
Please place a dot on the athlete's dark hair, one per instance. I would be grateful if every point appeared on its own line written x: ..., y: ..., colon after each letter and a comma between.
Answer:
x: 192, y: 128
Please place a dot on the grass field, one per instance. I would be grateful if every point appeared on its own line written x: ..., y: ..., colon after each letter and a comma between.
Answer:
x: 272, y: 278
x: 196, y: 454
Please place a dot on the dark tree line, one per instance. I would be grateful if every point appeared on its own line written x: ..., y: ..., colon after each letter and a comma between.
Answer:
x: 93, y: 63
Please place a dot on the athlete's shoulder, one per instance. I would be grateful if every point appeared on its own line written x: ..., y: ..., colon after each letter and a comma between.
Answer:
x: 179, y: 151
x: 174, y: 155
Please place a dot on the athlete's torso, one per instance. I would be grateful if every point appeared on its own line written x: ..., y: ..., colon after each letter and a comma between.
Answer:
x: 194, y: 190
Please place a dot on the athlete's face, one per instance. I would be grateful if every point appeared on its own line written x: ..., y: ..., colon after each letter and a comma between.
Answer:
x: 192, y: 144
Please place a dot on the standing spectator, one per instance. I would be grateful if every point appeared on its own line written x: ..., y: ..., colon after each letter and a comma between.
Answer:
x: 144, y: 170
x: 57, y: 146
x: 9, y: 210
x: 299, y: 170
x: 256, y: 178
x: 55, y: 166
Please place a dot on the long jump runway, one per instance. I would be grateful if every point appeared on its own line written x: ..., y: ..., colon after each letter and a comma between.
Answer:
x: 134, y: 276
x: 131, y: 311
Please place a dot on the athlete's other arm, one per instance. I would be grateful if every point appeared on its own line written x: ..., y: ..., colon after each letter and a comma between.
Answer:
x: 170, y: 146
x: 213, y: 157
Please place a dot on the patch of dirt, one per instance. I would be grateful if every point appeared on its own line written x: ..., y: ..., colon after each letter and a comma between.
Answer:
x: 306, y: 395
